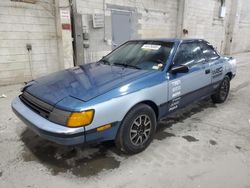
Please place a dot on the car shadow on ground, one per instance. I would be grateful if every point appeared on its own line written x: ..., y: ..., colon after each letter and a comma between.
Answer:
x: 181, y: 115
x: 81, y: 161
x: 85, y: 161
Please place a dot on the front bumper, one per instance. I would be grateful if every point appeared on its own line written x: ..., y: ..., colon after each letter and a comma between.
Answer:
x: 46, y: 129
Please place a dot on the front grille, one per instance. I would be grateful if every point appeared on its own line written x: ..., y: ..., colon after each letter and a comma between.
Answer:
x: 38, y: 106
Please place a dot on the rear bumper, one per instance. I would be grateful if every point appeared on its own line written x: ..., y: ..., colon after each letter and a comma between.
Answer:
x: 46, y: 129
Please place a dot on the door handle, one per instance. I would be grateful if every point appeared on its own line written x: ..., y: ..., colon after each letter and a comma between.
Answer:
x: 207, y: 71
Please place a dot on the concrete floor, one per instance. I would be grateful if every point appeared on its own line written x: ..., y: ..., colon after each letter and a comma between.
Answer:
x: 204, y: 145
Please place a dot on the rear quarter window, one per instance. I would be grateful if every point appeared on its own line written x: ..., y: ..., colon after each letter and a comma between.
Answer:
x: 208, y: 52
x: 188, y: 54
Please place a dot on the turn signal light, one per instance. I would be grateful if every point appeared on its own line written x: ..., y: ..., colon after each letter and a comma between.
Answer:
x: 79, y: 119
x: 104, y: 127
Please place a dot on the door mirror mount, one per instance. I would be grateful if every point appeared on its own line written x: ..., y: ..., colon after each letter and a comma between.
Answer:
x: 179, y: 69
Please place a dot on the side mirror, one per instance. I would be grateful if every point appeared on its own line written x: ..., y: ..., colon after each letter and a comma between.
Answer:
x: 179, y: 69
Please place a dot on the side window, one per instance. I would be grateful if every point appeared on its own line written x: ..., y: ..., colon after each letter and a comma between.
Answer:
x: 188, y: 54
x: 208, y: 52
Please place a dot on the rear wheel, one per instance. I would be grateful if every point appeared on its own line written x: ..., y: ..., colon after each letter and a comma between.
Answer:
x: 222, y: 92
x: 137, y: 130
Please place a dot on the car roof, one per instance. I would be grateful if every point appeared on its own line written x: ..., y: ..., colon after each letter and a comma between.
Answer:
x: 171, y: 39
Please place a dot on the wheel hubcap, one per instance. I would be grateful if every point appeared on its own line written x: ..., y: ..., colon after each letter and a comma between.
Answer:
x: 140, y: 130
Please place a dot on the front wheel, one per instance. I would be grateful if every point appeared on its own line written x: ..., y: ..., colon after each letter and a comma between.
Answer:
x: 222, y: 92
x: 137, y: 129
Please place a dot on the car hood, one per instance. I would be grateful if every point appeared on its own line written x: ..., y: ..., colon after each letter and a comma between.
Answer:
x: 82, y: 82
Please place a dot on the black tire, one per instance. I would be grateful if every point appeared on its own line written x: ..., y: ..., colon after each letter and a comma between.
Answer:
x: 130, y: 130
x: 222, y: 91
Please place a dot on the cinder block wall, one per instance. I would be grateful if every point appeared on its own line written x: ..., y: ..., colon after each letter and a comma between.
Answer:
x: 150, y: 19
x: 201, y: 20
x: 166, y: 18
x: 21, y: 24
x: 230, y: 34
x: 36, y: 24
x: 158, y: 18
x: 241, y: 33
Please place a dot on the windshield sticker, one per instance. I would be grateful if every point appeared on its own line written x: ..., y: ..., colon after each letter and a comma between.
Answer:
x: 160, y: 65
x: 151, y: 47
x: 155, y: 67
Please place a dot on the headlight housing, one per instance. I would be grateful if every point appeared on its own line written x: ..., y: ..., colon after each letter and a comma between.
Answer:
x: 79, y: 119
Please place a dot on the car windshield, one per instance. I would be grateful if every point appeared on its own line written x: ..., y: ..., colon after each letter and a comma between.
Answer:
x: 146, y: 55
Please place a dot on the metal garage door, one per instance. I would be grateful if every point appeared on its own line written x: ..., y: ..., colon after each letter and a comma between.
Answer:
x: 121, y: 27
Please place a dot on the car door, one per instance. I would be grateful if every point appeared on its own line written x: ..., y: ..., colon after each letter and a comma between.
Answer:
x: 187, y: 87
x: 214, y: 63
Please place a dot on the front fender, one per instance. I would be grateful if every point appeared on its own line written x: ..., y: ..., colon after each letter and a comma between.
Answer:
x: 114, y: 110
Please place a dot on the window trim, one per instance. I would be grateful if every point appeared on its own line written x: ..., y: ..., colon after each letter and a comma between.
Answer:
x: 193, y: 41
x: 212, y: 48
x: 178, y: 47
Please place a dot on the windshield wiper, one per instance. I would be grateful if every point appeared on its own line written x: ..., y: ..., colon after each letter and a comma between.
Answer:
x: 105, y: 61
x: 127, y: 65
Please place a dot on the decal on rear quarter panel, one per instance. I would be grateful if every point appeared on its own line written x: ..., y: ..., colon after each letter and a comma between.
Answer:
x: 217, y: 72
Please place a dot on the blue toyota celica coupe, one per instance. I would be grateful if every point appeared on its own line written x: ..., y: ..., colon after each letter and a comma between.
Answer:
x: 123, y: 96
